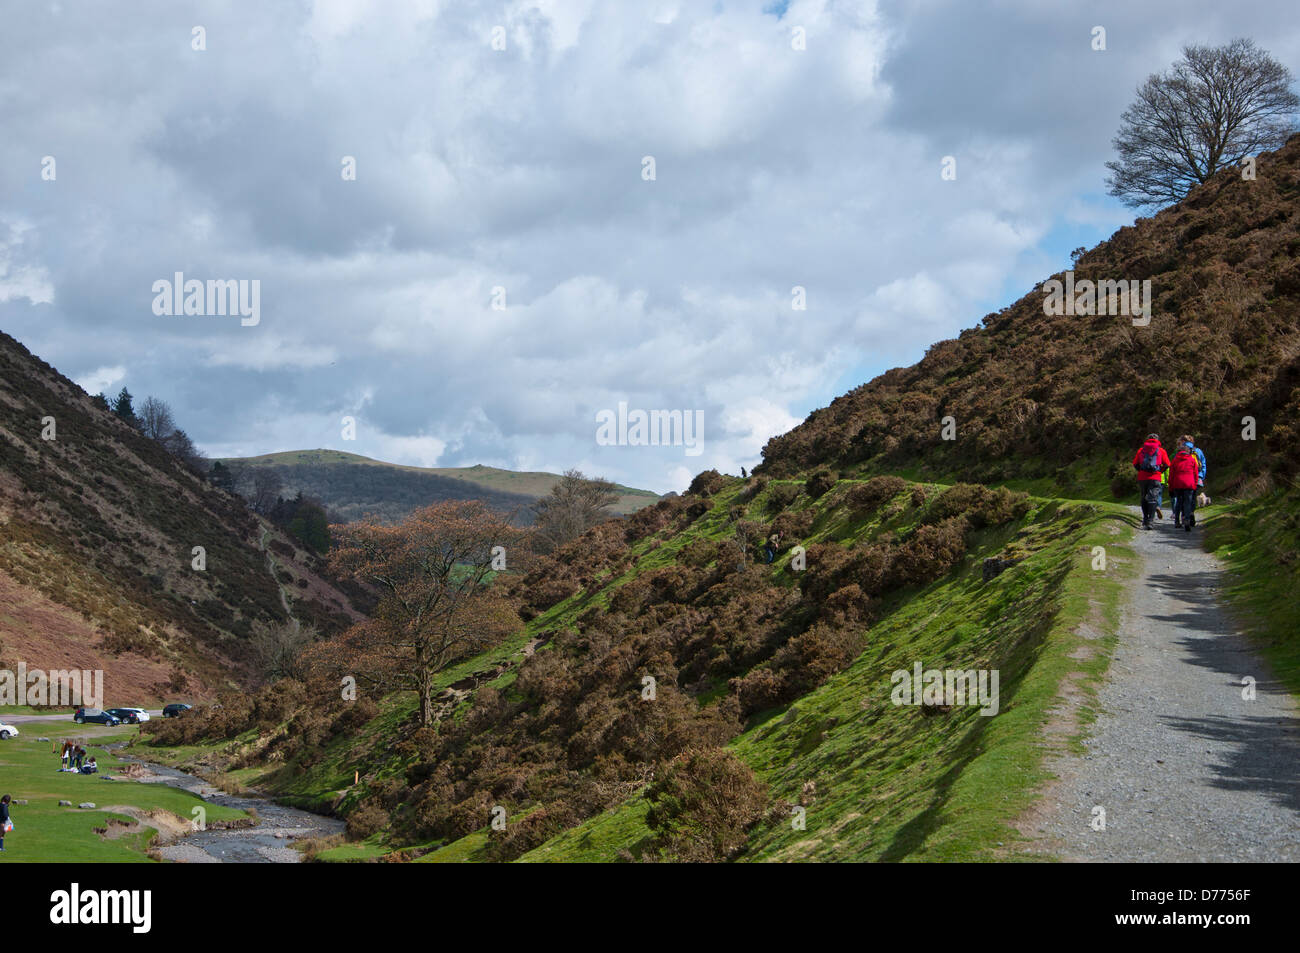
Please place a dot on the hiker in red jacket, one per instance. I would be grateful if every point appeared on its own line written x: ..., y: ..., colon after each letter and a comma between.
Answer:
x: 1184, y: 474
x: 1150, y: 462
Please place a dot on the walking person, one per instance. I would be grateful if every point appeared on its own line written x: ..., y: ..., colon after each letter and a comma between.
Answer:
x: 1190, y: 443
x: 1150, y: 462
x: 1184, y: 471
x: 6, y: 825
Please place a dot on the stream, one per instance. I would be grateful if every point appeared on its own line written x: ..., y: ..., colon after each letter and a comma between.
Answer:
x: 267, y: 843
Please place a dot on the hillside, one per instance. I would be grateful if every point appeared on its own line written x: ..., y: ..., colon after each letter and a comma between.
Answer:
x: 772, y: 732
x: 97, y: 530
x: 1065, y: 399
x: 352, y: 486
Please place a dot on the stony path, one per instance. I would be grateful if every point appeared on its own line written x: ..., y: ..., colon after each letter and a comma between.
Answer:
x: 1185, y: 767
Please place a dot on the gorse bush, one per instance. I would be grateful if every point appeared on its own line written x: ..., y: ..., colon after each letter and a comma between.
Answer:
x: 703, y: 805
x: 866, y: 498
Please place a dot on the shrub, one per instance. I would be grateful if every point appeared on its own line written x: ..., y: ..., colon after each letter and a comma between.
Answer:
x: 367, y: 818
x: 781, y: 496
x: 793, y: 524
x: 981, y: 506
x: 867, y: 497
x: 707, y: 483
x: 819, y: 483
x: 703, y: 805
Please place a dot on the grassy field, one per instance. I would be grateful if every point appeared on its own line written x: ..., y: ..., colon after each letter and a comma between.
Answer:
x: 44, y: 832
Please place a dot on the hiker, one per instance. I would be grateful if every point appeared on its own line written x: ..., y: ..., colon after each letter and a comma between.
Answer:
x: 78, y: 756
x: 1190, y: 443
x: 771, y: 548
x: 1150, y: 462
x: 6, y: 825
x: 66, y: 757
x: 90, y: 767
x: 1184, y: 472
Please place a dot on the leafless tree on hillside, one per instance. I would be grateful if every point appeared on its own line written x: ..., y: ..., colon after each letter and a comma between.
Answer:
x: 279, y: 648
x: 266, y: 489
x: 156, y: 420
x: 574, y: 505
x: 1209, y: 111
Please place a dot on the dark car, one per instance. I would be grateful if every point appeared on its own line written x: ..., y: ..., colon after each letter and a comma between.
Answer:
x: 129, y: 715
x: 174, y: 709
x: 94, y: 716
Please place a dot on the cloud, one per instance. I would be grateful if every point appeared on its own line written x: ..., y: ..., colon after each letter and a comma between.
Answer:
x: 484, y: 173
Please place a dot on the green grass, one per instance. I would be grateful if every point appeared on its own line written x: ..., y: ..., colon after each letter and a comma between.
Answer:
x: 892, y: 784
x: 44, y: 832
x: 1259, y: 541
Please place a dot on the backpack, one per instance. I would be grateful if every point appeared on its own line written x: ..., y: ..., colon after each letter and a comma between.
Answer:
x: 1150, y: 461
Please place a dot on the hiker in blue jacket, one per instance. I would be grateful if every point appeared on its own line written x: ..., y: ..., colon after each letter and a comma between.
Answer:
x: 1190, y: 444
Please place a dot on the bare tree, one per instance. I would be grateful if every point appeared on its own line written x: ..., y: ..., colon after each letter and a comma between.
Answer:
x: 266, y: 489
x: 574, y: 505
x: 279, y: 648
x: 156, y: 420
x: 1211, y: 110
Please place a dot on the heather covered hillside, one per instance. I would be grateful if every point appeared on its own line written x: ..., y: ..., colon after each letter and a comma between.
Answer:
x: 1066, y: 397
x: 98, y: 526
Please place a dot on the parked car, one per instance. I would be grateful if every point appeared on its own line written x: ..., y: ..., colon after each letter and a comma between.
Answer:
x: 132, y: 716
x: 95, y: 716
x: 7, y: 731
x: 174, y: 709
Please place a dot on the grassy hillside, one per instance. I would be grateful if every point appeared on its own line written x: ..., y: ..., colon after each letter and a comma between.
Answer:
x: 352, y: 486
x: 929, y: 776
x: 97, y: 531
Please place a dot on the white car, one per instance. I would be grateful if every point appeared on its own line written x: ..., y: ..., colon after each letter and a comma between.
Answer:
x: 131, y: 716
x: 7, y: 731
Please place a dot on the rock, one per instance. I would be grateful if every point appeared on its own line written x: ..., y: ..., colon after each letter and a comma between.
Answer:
x: 65, y: 804
x: 42, y: 739
x: 994, y: 567
x: 20, y: 801
x: 87, y: 805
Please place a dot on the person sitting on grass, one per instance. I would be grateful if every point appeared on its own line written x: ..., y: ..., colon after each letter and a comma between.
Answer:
x: 6, y: 825
x: 90, y: 767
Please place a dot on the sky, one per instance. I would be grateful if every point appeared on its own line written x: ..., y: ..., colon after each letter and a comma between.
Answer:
x: 477, y: 227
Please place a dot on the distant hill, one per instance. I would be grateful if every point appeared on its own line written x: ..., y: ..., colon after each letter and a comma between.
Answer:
x: 97, y: 531
x: 352, y: 486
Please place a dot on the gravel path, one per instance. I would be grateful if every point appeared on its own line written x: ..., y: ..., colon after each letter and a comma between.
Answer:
x: 1185, y: 768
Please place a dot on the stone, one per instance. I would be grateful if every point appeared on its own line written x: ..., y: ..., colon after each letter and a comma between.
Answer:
x: 994, y: 567
x: 65, y: 804
x: 87, y: 805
